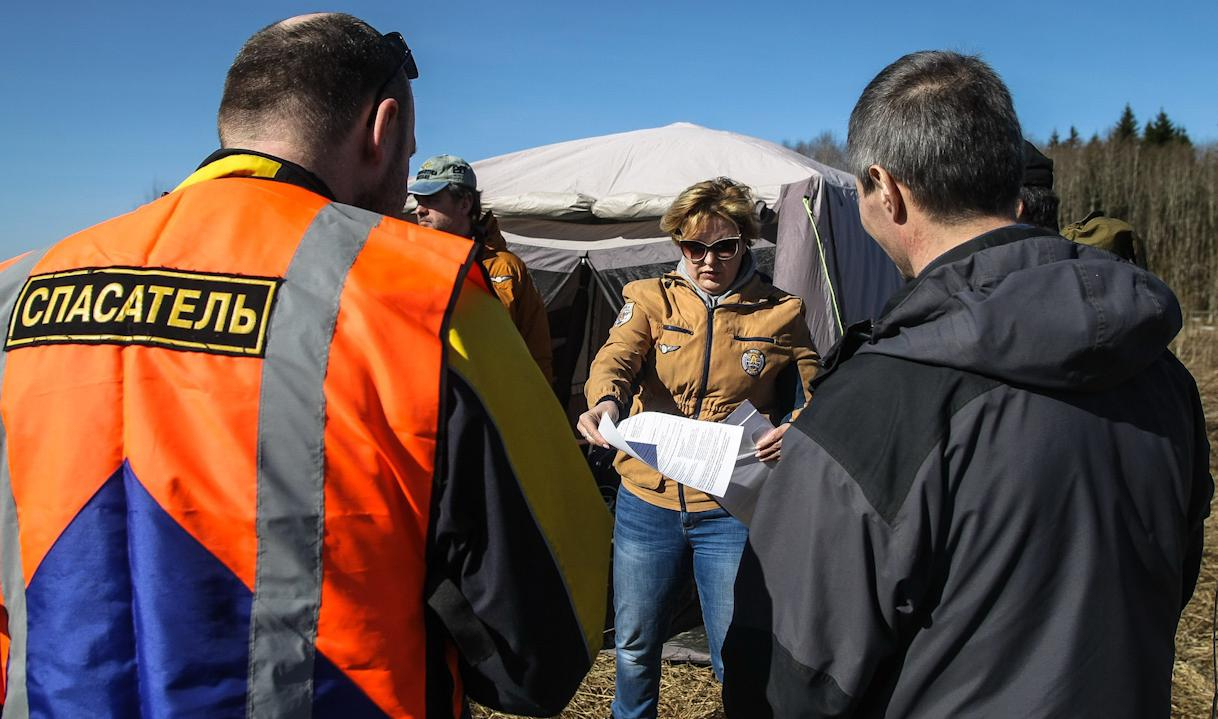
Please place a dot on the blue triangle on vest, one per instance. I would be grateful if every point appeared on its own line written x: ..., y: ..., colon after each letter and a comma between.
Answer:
x: 130, y: 616
x: 335, y: 695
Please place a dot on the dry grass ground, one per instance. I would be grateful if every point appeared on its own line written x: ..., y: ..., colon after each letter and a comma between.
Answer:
x: 689, y: 692
x: 686, y: 691
x: 1193, y: 679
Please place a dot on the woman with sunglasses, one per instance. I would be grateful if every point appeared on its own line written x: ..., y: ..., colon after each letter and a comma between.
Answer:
x: 696, y: 342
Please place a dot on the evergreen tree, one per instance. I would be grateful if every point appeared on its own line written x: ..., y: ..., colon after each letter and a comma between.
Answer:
x: 1126, y: 129
x: 1160, y: 131
x: 1054, y: 139
x: 1074, y: 139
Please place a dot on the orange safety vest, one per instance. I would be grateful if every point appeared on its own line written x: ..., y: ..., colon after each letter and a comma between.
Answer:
x: 220, y: 418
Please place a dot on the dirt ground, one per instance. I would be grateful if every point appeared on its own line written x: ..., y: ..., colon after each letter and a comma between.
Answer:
x: 690, y: 692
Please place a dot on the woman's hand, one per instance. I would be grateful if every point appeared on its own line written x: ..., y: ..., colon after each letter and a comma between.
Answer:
x: 590, y: 420
x: 769, y: 447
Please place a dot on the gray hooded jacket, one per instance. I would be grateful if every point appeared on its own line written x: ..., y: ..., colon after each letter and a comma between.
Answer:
x: 993, y: 507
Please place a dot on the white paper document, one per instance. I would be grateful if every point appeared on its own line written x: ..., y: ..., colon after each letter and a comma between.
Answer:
x: 750, y: 473
x: 697, y: 454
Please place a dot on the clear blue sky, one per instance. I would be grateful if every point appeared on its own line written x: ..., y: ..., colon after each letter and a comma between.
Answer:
x: 104, y: 103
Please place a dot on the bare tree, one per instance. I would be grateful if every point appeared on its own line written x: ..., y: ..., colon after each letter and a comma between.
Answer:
x: 824, y: 148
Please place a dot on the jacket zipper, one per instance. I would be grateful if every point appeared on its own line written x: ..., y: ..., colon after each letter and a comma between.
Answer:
x: 710, y: 336
x: 706, y: 358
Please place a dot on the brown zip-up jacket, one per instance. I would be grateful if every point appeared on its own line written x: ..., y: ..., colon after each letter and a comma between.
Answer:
x: 668, y: 352
x: 512, y: 284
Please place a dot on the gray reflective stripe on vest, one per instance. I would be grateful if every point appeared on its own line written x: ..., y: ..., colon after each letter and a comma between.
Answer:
x: 12, y: 574
x: 291, y: 465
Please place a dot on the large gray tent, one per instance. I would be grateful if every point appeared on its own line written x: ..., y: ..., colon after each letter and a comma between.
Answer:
x: 584, y: 216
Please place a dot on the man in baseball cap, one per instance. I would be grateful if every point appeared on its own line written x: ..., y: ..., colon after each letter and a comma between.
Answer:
x: 446, y: 190
x: 438, y: 172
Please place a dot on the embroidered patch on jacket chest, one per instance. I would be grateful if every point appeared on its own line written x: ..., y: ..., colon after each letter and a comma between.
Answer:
x: 665, y: 349
x: 753, y: 361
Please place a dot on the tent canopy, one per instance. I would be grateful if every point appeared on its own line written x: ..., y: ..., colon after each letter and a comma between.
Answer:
x: 633, y: 176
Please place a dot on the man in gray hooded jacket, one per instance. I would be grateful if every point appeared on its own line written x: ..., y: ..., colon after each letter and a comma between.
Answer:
x: 993, y: 506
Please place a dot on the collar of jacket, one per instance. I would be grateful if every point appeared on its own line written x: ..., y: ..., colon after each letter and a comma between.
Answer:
x: 235, y: 162
x: 855, y: 336
x: 993, y: 238
x: 867, y: 332
x: 488, y: 233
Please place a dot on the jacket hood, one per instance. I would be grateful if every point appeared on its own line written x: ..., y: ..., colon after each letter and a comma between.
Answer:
x: 1032, y: 310
x: 753, y: 287
x: 748, y: 268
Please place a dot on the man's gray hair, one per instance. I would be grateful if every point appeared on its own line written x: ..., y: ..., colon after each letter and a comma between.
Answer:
x: 942, y: 124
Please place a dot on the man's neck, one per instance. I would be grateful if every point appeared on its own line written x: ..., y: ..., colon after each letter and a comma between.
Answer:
x: 936, y: 238
x: 328, y: 172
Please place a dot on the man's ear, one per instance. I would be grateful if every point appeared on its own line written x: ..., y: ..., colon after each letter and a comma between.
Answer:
x: 384, y: 126
x: 892, y: 193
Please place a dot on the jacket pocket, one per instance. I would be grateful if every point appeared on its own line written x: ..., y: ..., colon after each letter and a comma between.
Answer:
x: 638, y: 474
x: 771, y: 340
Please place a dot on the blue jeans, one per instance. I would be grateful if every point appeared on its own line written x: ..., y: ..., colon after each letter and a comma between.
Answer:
x: 654, y: 551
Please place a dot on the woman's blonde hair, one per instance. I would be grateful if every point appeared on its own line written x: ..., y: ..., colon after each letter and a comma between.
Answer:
x: 720, y: 197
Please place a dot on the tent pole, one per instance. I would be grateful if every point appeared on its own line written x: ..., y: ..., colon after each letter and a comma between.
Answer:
x: 824, y: 265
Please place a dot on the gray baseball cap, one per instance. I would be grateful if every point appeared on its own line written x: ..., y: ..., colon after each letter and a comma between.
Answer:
x: 441, y: 171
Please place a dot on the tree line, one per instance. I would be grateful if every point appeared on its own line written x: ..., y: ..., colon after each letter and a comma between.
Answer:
x: 1158, y: 132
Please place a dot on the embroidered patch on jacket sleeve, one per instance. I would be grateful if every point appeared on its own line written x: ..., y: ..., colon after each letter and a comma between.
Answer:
x: 624, y: 315
x: 190, y: 311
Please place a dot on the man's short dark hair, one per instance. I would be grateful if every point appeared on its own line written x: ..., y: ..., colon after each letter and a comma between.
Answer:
x: 476, y: 224
x: 313, y: 76
x: 1040, y: 206
x: 943, y: 124
x: 460, y: 192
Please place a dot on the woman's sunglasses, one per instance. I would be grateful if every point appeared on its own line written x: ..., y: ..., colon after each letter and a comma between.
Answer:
x: 723, y: 250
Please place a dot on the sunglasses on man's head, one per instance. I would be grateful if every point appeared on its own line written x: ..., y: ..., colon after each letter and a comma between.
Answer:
x: 398, y: 43
x: 722, y: 250
x: 407, y: 65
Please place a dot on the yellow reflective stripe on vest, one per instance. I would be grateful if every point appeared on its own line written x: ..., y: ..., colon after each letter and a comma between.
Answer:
x: 552, y: 474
